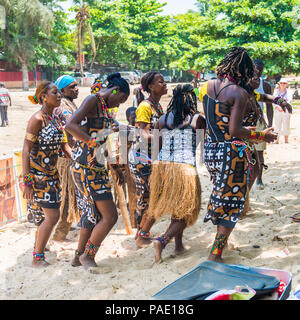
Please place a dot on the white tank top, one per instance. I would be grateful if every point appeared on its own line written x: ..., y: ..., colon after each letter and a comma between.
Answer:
x: 261, y: 91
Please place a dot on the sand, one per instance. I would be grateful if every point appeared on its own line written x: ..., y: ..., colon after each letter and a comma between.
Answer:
x: 124, y: 272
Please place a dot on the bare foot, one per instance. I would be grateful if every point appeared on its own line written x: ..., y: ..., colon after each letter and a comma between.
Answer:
x: 87, y: 262
x: 213, y: 257
x: 76, y: 262
x: 158, y: 250
x: 40, y: 264
x: 143, y: 243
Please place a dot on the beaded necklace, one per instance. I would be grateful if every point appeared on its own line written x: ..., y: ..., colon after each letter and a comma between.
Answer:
x: 230, y: 78
x: 54, y: 121
x: 159, y: 107
x: 107, y: 112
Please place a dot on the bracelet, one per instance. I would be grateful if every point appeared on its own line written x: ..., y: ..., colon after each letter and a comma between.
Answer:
x: 261, y: 135
x: 92, y: 142
x: 279, y: 101
x: 257, y: 135
x: 27, y: 179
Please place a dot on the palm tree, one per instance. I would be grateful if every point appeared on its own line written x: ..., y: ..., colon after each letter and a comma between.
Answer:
x: 83, y: 29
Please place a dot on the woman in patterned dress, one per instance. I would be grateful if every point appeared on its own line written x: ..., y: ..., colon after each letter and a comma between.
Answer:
x: 225, y: 153
x: 43, y: 140
x: 90, y: 125
x: 147, y: 114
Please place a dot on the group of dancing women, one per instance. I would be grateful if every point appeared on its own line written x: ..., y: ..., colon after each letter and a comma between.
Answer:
x: 63, y: 146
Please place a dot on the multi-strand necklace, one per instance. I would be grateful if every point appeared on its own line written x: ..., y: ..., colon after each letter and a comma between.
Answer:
x: 157, y: 105
x: 107, y: 112
x: 53, y: 120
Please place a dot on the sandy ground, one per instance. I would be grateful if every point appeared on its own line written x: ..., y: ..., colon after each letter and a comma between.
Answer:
x: 124, y: 272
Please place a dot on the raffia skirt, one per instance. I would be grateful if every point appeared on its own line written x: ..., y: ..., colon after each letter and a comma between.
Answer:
x: 175, y: 190
x: 68, y: 191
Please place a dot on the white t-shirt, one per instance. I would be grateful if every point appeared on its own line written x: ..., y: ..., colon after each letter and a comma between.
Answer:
x: 4, y: 96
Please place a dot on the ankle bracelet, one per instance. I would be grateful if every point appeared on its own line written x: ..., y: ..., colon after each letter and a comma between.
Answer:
x: 39, y: 256
x: 77, y: 253
x: 143, y: 234
x: 91, y: 250
x: 163, y: 240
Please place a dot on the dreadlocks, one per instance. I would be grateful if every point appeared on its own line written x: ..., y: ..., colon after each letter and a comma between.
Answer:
x: 238, y: 65
x: 183, y: 103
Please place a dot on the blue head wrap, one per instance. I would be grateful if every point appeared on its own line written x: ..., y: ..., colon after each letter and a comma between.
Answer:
x: 64, y: 81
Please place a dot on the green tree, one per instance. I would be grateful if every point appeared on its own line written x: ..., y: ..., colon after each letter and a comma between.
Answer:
x: 265, y: 28
x: 28, y: 24
x: 151, y: 37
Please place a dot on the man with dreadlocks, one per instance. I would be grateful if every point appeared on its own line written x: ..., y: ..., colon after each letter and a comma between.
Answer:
x: 174, y: 183
x: 225, y: 153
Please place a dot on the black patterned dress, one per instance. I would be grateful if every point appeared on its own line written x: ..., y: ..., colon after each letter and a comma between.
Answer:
x: 227, y: 160
x: 43, y: 160
x: 139, y: 157
x: 91, y: 183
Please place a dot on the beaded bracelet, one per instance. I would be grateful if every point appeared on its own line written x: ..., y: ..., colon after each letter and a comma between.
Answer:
x: 278, y: 101
x: 27, y: 179
x: 254, y: 135
x: 92, y: 142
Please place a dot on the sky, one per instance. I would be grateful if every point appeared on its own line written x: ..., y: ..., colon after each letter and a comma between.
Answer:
x: 172, y: 7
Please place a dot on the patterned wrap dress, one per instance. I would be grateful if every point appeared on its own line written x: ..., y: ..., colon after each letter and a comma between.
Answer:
x: 91, y: 183
x: 139, y: 158
x: 46, y: 184
x: 227, y: 160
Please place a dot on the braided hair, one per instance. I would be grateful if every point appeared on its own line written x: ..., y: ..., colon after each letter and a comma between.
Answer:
x: 183, y: 103
x: 238, y: 65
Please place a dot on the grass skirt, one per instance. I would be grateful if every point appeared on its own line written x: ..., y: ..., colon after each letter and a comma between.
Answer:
x: 175, y: 190
x: 68, y: 191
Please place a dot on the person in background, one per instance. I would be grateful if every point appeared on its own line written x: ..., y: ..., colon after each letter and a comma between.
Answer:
x: 138, y: 97
x: 296, y: 95
x: 140, y: 162
x: 283, y: 118
x: 5, y: 100
x: 264, y: 88
x: 68, y: 88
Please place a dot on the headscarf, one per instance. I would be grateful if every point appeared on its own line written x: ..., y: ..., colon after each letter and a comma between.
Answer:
x: 64, y: 81
x: 98, y: 85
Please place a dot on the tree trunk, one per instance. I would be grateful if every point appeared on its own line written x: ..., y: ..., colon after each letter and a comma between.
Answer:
x: 80, y: 49
x: 25, y: 76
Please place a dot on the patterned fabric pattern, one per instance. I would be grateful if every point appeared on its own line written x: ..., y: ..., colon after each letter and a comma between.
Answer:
x: 228, y: 171
x: 141, y: 173
x: 178, y: 145
x: 46, y: 186
x: 228, y: 167
x: 91, y: 186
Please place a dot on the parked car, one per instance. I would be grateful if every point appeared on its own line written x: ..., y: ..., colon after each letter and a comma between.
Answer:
x: 168, y: 78
x: 129, y: 76
x: 139, y: 74
x: 87, y: 79
x: 208, y: 76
